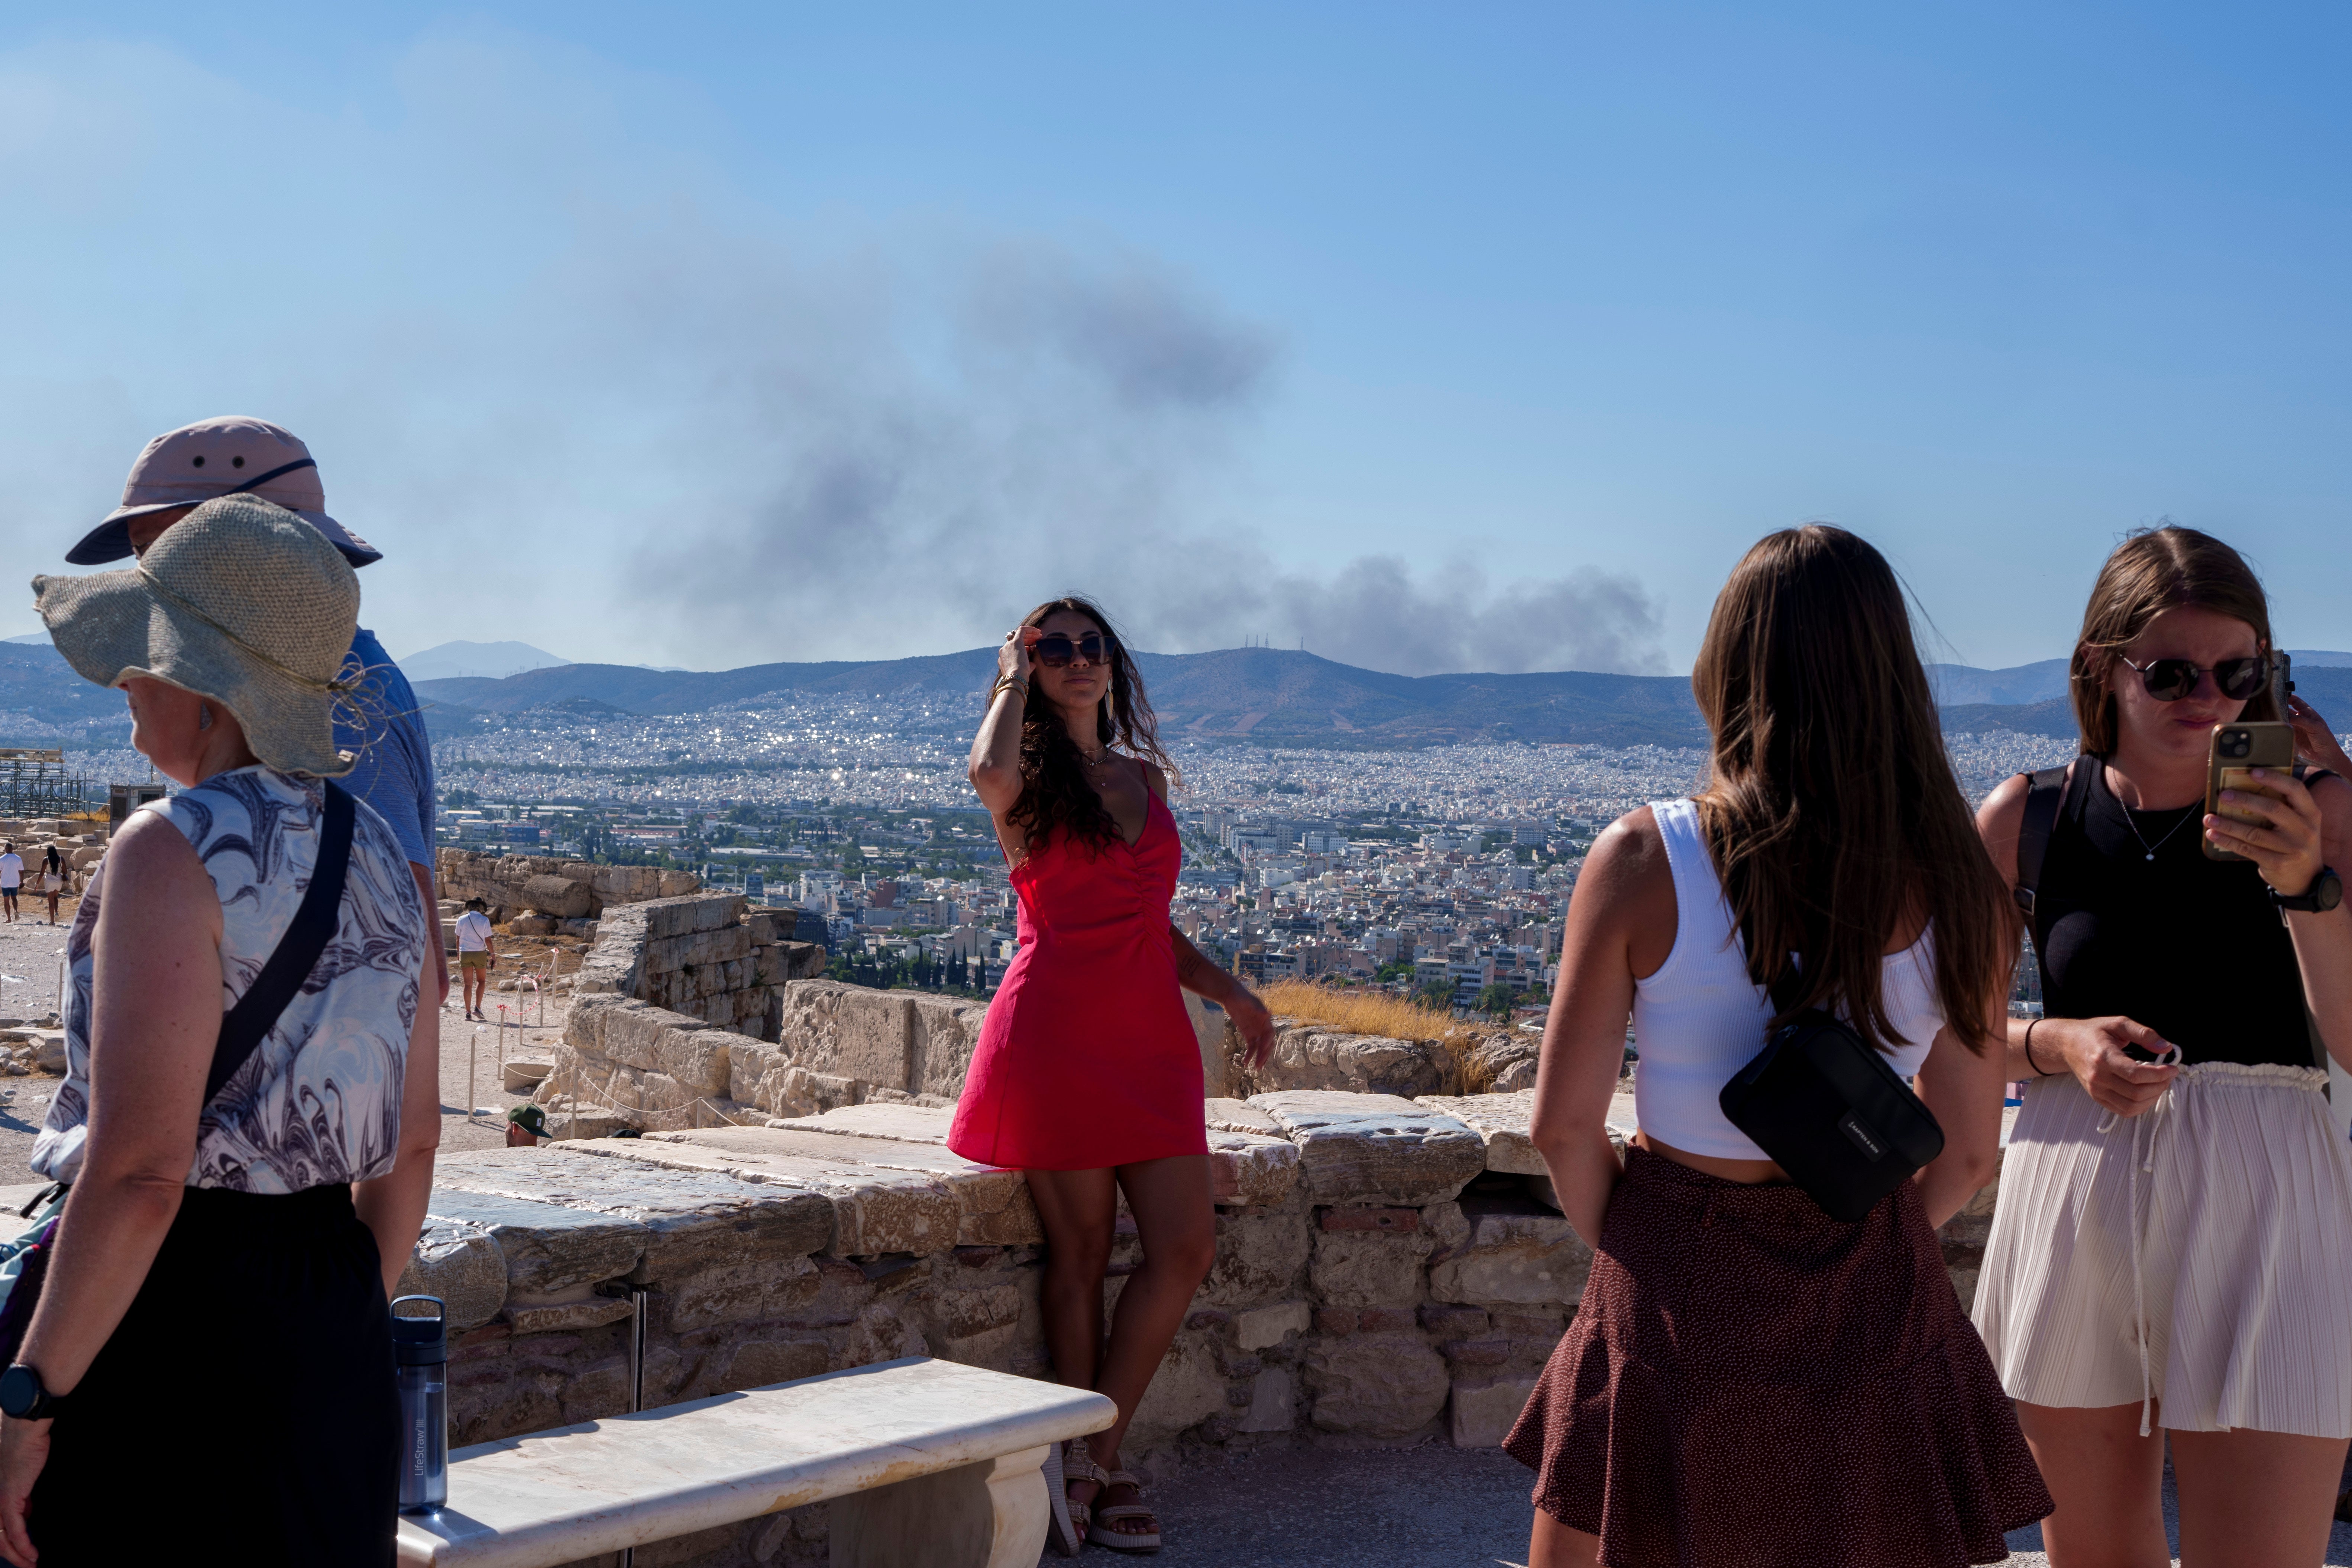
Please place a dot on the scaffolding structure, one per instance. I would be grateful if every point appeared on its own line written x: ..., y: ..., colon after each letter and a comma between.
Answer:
x: 35, y: 783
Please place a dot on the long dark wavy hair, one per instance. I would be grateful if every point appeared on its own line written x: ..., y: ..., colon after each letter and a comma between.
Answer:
x: 1055, y: 796
x: 1832, y: 812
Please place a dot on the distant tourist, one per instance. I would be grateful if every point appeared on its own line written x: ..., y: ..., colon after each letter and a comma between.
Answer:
x: 246, y: 1186
x: 379, y: 721
x: 12, y: 878
x: 2171, y: 1256
x: 1087, y: 1074
x: 1747, y: 1380
x: 478, y: 950
x: 53, y: 880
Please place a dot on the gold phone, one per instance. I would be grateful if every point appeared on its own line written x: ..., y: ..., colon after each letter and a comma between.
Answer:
x: 2230, y: 757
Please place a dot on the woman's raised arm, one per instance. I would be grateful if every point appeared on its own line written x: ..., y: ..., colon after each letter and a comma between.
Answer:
x: 995, y: 769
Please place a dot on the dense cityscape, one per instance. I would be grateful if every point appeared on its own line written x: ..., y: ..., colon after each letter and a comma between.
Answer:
x: 1442, y: 871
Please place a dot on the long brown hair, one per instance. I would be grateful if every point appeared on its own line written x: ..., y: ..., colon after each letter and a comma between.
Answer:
x: 2152, y: 571
x: 1056, y: 795
x: 1832, y: 812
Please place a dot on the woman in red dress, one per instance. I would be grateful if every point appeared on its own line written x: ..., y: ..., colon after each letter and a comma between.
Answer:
x: 1087, y: 1075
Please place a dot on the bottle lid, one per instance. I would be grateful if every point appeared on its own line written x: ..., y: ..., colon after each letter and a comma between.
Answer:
x: 420, y: 1340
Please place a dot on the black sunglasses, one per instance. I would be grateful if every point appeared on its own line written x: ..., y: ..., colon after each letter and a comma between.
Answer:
x: 1055, y: 649
x: 2170, y: 680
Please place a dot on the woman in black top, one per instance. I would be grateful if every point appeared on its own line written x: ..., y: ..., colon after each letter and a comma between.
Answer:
x: 2172, y: 1251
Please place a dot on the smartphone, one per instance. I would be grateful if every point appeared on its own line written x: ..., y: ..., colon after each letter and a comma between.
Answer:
x: 2230, y: 756
x: 2282, y: 680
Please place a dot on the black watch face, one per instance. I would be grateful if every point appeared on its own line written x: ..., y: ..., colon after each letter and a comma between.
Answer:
x: 20, y: 1390
x: 2327, y: 892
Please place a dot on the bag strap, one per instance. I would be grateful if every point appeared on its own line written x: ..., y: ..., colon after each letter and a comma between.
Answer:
x: 244, y: 1026
x: 2046, y: 792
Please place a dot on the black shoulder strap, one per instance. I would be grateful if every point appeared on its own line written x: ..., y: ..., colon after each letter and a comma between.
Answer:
x: 257, y: 1012
x: 2044, y: 795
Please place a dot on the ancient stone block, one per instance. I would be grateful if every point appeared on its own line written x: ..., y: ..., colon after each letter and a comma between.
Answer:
x: 1187, y: 1390
x: 945, y: 1033
x: 849, y: 1030
x: 1308, y: 1056
x: 1259, y: 1327
x: 463, y: 1266
x: 1246, y: 1168
x: 1390, y: 1222
x: 1273, y: 1401
x: 1374, y: 1149
x: 1376, y: 1386
x: 1515, y: 1254
x: 1262, y: 1257
x: 1486, y: 1407
x: 690, y: 1218
x: 567, y: 1317
x: 758, y: 1362
x: 737, y: 1293
x: 1240, y: 1116
x: 1367, y: 1268
x: 561, y: 897
x: 1501, y: 1120
x: 547, y: 1247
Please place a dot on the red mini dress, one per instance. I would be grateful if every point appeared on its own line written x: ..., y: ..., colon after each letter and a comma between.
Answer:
x: 1088, y: 1058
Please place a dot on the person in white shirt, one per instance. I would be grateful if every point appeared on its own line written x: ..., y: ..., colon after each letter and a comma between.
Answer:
x: 12, y: 876
x: 477, y: 951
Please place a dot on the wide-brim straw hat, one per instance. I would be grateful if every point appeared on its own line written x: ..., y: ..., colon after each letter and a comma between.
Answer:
x: 242, y: 602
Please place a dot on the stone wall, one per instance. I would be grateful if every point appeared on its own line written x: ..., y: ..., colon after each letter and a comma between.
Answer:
x: 1385, y: 1272
x: 1315, y: 1056
x: 562, y: 890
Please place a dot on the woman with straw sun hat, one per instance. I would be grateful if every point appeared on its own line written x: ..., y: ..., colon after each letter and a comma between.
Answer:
x: 250, y: 1109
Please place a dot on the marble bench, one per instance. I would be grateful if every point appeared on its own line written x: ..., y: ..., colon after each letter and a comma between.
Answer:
x: 934, y: 1465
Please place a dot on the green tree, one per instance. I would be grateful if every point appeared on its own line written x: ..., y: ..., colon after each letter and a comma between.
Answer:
x: 1436, y: 995
x: 1496, y: 1000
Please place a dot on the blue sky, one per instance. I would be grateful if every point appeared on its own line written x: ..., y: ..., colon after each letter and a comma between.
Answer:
x: 1439, y: 339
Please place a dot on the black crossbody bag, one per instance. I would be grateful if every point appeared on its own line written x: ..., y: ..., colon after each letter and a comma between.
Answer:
x: 243, y: 1028
x: 1830, y: 1110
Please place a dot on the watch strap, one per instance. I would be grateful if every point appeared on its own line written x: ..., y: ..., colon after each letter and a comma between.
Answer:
x: 2327, y: 891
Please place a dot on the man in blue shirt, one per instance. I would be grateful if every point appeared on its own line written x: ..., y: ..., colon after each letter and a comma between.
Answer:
x: 379, y: 723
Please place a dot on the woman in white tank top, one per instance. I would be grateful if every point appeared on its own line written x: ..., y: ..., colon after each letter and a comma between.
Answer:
x: 1746, y: 1380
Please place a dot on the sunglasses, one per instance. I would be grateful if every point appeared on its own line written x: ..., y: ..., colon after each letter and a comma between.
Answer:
x: 1055, y: 649
x: 2170, y: 680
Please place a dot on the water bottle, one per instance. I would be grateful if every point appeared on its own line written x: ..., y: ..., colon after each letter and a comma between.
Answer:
x: 420, y: 1352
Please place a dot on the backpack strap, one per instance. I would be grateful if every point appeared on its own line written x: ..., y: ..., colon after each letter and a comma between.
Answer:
x: 244, y: 1026
x: 2044, y: 794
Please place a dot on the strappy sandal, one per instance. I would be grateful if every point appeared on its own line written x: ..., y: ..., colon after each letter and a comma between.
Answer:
x: 1062, y: 1466
x: 1124, y: 1540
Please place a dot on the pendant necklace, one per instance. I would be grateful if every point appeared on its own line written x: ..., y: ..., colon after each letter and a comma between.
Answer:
x: 2160, y: 843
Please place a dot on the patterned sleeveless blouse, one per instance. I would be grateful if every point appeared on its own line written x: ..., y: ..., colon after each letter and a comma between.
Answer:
x: 319, y: 1102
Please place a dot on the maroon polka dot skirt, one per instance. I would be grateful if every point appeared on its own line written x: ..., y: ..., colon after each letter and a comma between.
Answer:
x: 1750, y: 1383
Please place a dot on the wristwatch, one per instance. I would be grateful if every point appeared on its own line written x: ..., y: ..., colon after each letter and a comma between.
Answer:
x: 2327, y: 891
x: 23, y: 1398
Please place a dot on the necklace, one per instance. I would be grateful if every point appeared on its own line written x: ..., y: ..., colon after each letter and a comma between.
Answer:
x: 2160, y: 843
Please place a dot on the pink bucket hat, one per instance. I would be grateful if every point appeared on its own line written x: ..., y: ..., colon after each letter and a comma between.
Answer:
x: 212, y: 458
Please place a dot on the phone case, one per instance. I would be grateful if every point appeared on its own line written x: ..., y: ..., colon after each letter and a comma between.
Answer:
x: 2266, y: 746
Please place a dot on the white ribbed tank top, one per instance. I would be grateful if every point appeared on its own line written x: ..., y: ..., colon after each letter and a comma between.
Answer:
x: 1699, y: 1019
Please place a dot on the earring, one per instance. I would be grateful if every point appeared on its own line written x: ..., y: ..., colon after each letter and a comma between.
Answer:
x: 204, y: 715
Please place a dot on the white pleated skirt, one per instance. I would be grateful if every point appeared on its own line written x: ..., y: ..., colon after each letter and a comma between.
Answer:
x: 2195, y: 1259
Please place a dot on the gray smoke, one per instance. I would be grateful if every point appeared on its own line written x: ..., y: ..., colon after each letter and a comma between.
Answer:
x: 910, y: 469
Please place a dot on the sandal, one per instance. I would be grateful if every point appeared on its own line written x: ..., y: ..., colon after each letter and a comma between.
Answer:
x: 1065, y: 1464
x: 1126, y: 1539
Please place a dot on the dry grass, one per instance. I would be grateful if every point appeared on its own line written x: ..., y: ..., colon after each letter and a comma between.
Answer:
x: 1368, y: 1011
x: 1359, y: 1012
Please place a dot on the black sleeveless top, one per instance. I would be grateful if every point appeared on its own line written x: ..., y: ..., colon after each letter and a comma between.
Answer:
x: 2190, y: 947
